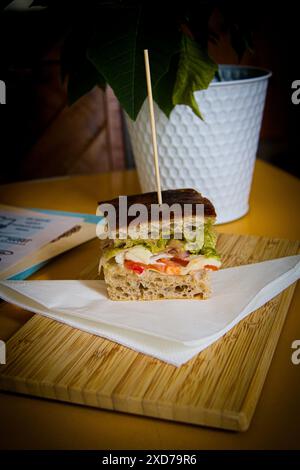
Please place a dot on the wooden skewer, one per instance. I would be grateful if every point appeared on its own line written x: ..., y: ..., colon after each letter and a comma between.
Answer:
x: 153, y: 128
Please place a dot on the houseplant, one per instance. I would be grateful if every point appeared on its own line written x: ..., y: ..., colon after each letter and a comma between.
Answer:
x: 105, y: 45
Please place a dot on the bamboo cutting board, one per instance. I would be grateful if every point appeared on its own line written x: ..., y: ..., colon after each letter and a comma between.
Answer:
x: 220, y: 387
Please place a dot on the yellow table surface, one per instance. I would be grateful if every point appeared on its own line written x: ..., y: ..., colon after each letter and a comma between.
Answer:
x: 41, y: 424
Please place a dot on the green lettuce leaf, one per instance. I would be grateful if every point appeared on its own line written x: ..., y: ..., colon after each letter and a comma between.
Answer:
x: 210, y: 240
x: 196, y: 247
x: 110, y: 253
x: 155, y: 246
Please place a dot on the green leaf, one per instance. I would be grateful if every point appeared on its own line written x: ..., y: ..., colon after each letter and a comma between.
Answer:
x: 117, y: 51
x: 163, y: 91
x: 195, y: 72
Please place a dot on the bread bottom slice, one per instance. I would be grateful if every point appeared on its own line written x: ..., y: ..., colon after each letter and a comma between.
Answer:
x: 123, y: 284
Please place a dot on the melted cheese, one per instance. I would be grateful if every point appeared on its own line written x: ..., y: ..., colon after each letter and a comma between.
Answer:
x: 140, y: 254
x: 198, y: 263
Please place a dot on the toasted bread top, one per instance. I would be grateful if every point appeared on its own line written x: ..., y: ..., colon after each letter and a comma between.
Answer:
x: 169, y: 197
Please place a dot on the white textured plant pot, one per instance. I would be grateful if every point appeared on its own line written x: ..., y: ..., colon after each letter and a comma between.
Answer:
x: 215, y: 156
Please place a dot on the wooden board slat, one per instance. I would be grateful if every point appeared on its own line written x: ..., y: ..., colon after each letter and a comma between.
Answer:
x: 220, y: 387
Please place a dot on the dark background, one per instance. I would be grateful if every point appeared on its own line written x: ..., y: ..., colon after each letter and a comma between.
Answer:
x: 41, y: 136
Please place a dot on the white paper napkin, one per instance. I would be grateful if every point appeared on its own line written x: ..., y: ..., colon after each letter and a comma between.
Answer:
x: 170, y: 330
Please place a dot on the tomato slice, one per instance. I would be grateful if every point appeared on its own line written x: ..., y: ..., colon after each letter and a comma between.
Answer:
x: 211, y: 266
x: 165, y: 265
x: 138, y: 268
x: 182, y: 262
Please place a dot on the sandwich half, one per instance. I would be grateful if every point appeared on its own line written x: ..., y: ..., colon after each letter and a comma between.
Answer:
x: 164, y: 267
